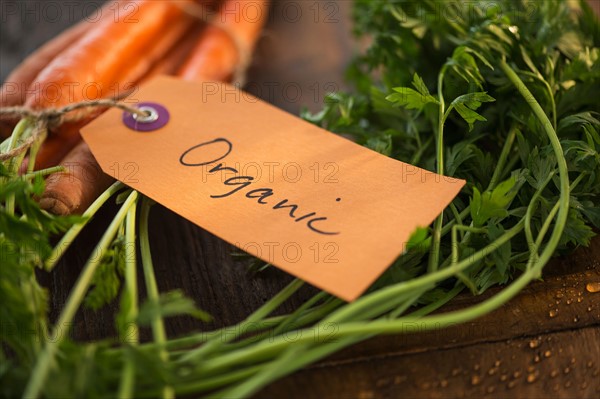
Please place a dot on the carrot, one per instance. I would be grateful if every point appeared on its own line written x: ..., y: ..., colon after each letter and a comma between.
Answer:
x: 12, y: 92
x: 83, y: 179
x: 177, y: 55
x: 98, y: 63
x: 169, y: 38
x: 217, y: 53
x: 59, y: 144
x: 70, y: 192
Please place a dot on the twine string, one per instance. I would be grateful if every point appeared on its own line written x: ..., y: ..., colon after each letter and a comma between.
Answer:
x: 50, y: 117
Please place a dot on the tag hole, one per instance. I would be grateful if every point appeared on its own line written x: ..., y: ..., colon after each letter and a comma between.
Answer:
x: 151, y: 115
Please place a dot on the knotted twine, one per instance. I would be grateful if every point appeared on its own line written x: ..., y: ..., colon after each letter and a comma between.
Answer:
x: 51, y: 117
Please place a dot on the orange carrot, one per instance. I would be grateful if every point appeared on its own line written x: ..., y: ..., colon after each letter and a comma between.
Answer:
x: 217, y: 54
x: 60, y: 143
x: 12, y: 92
x: 98, y: 63
x: 68, y: 193
x: 177, y: 55
x: 83, y: 178
x: 214, y: 57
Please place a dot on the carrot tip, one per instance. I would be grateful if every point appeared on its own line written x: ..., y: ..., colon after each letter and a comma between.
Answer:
x: 55, y: 206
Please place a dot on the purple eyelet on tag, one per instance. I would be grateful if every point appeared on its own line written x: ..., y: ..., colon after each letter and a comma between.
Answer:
x: 158, y: 116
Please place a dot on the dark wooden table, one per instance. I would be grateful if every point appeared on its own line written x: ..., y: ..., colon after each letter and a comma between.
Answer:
x: 543, y: 344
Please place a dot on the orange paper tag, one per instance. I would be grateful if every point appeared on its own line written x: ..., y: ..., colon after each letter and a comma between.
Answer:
x: 314, y: 204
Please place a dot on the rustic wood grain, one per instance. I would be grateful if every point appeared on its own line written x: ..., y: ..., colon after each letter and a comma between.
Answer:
x: 564, y: 364
x: 544, y: 342
x: 518, y: 351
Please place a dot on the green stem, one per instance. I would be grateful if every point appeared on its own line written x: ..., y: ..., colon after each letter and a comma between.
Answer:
x: 434, y: 252
x: 546, y: 225
x: 288, y: 361
x: 454, y: 251
x: 207, y: 384
x: 44, y: 172
x: 22, y: 130
x: 463, y: 214
x: 456, y: 215
x: 404, y: 306
x: 157, y: 323
x: 241, y: 328
x: 421, y: 149
x: 376, y: 308
x: 17, y: 133
x: 291, y: 318
x: 564, y: 199
x: 309, y: 318
x: 42, y: 366
x: 74, y: 231
x: 266, y: 349
x: 298, y: 356
x: 508, y: 143
x: 537, y: 75
x: 553, y: 211
x: 385, y: 326
x: 175, y: 344
x: 533, y: 247
x: 126, y: 388
x: 425, y: 310
x: 34, y: 149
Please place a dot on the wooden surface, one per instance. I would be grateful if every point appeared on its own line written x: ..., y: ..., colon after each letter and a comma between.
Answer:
x: 545, y: 343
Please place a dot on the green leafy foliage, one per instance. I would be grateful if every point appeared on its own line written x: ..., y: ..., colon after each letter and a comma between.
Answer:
x: 25, y: 232
x: 417, y: 59
x: 492, y: 204
x: 107, y: 279
x: 419, y: 68
x: 411, y: 98
x: 467, y: 104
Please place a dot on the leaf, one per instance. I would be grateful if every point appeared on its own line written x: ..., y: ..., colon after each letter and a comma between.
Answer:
x: 466, y: 105
x: 420, y: 85
x: 457, y: 155
x: 173, y: 303
x: 431, y: 296
x: 468, y: 115
x: 570, y: 44
x: 580, y: 154
x: 465, y: 66
x: 540, y: 167
x: 494, y: 204
x: 410, y: 98
x: 575, y: 121
x: 528, y: 61
x: 576, y: 231
x: 419, y: 240
x: 489, y: 277
x: 382, y: 144
x: 107, y: 278
x: 479, y: 56
x: 473, y: 100
x: 591, y: 212
x: 500, y: 255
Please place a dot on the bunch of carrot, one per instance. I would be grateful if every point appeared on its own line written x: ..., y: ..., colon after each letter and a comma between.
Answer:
x: 106, y: 57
